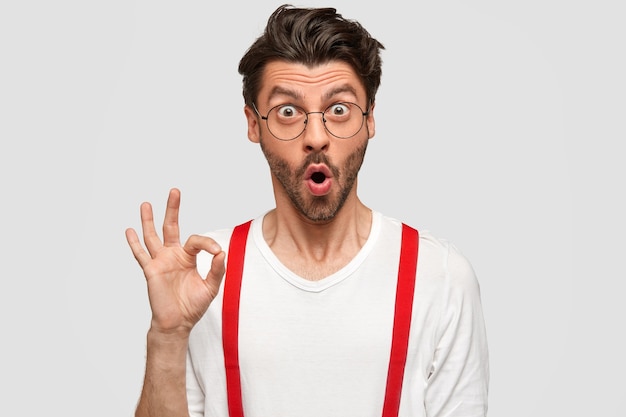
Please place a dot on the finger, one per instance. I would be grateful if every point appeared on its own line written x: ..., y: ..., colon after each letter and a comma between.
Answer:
x: 171, y: 230
x: 141, y: 256
x: 150, y: 237
x: 194, y: 245
x: 216, y: 273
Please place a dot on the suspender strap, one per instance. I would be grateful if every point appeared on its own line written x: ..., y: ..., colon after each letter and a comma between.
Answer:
x: 401, y: 325
x: 230, y: 318
x: 402, y: 320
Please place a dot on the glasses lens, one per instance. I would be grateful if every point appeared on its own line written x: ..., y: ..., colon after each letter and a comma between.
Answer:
x: 286, y: 121
x: 342, y: 120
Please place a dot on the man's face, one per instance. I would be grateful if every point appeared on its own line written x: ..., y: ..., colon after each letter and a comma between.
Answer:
x: 316, y: 172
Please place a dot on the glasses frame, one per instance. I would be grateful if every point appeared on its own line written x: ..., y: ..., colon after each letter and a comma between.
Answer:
x: 306, y: 120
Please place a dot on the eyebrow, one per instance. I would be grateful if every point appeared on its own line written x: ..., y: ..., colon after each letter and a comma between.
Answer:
x: 346, y: 88
x: 283, y: 91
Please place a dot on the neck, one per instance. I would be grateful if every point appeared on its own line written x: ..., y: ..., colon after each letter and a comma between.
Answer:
x: 315, y: 250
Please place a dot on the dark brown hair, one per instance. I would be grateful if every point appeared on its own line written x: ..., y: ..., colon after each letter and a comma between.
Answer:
x: 312, y: 36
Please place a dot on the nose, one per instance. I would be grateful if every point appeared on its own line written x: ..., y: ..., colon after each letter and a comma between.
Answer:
x: 315, y: 137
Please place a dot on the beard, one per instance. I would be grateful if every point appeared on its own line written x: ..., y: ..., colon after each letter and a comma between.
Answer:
x: 316, y: 208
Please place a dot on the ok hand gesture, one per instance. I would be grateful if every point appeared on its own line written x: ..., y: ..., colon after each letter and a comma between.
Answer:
x: 178, y: 295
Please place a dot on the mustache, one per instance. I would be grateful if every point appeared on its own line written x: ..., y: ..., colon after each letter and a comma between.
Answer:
x: 317, y: 158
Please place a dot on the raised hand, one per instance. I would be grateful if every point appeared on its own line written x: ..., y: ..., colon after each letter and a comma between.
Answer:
x: 178, y: 295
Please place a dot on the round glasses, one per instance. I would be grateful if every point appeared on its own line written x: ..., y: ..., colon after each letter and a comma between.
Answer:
x: 287, y: 121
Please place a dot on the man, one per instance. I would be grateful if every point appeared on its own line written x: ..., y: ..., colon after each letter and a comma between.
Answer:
x: 321, y: 312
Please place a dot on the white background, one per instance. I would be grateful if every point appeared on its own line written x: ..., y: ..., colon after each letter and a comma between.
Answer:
x: 500, y: 126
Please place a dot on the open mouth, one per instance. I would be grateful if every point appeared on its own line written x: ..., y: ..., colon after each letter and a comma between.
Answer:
x: 318, y: 177
x: 318, y: 173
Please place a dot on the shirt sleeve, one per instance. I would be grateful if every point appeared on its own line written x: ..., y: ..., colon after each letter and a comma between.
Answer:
x: 195, y: 394
x: 459, y: 377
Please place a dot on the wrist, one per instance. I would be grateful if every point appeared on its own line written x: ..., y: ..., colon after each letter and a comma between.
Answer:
x: 167, y: 350
x: 168, y: 336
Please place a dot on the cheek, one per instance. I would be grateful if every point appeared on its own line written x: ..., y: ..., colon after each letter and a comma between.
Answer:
x: 274, y: 160
x: 355, y: 159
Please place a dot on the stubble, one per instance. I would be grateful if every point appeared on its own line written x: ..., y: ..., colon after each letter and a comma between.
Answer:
x: 317, y: 208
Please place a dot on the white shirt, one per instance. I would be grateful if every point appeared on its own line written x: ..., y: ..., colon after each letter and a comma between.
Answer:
x: 321, y: 348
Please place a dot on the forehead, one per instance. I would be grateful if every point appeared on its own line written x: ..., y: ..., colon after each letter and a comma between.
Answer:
x: 309, y: 83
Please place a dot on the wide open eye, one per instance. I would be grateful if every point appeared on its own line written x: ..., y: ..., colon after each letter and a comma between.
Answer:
x: 287, y: 111
x: 338, y: 111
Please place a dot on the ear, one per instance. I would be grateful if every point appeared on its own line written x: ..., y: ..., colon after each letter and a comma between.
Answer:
x: 254, y: 127
x: 370, y: 123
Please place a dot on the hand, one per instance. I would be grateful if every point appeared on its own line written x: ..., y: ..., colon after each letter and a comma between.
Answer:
x: 178, y: 294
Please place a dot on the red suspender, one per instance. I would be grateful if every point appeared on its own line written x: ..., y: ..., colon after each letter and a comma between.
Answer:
x: 230, y: 317
x: 401, y: 324
x: 402, y: 320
